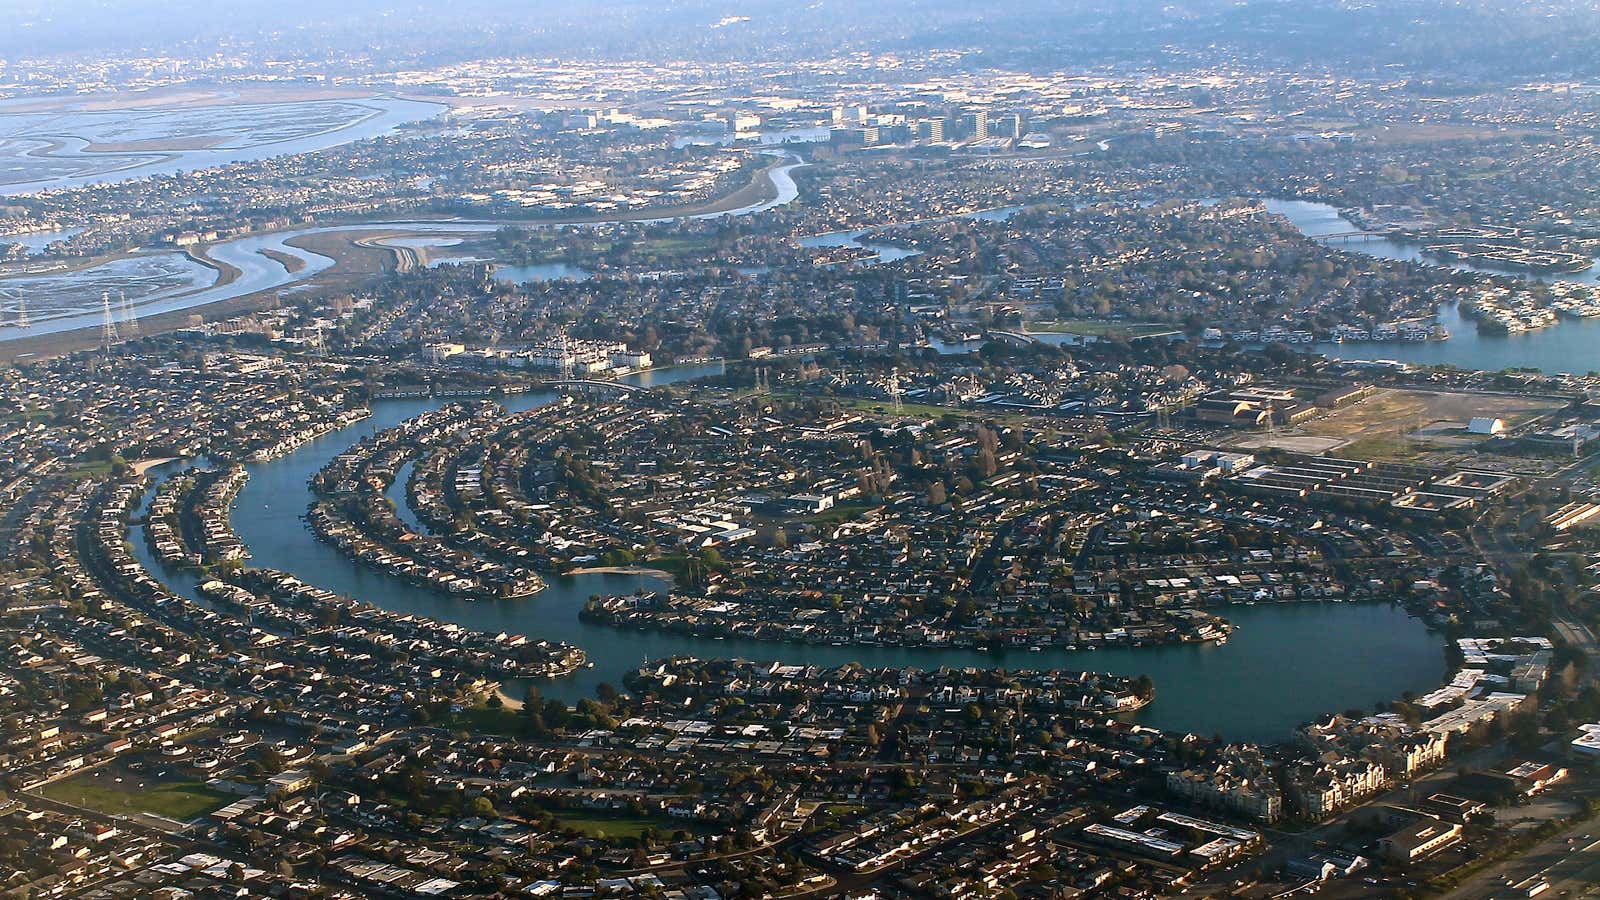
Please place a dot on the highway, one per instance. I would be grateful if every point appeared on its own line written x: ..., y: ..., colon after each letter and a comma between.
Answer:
x: 1569, y: 862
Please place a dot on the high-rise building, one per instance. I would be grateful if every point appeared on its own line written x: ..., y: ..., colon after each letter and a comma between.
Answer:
x: 930, y: 131
x: 1012, y: 126
x: 849, y: 115
x: 743, y: 123
x: 975, y: 124
x: 865, y: 136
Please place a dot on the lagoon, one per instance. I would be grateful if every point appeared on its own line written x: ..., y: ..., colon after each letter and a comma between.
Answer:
x: 1568, y: 346
x: 556, y: 271
x: 1283, y: 665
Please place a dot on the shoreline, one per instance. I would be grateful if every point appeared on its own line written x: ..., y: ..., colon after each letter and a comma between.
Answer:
x: 226, y: 273
x: 177, y: 153
x: 764, y: 188
x: 141, y: 466
x: 647, y: 571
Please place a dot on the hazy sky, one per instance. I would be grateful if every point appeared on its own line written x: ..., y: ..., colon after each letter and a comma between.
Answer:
x: 1483, y: 37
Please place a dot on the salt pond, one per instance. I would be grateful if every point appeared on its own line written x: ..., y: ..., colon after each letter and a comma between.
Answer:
x: 69, y: 148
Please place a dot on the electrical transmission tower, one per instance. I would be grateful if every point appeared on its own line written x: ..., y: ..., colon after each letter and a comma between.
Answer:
x: 895, y: 392
x: 130, y: 318
x: 108, y: 326
x: 564, y: 349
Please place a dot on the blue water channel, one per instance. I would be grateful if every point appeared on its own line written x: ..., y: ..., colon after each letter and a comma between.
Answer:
x: 1284, y: 664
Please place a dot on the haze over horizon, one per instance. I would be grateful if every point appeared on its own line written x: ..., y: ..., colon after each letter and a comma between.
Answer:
x: 1480, y: 39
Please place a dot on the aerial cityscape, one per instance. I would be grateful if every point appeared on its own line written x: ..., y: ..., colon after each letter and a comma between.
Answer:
x: 721, y: 449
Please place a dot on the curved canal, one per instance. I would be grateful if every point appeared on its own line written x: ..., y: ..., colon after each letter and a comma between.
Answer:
x: 1283, y: 665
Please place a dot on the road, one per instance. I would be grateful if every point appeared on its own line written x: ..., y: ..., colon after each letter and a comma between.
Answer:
x: 1581, y: 637
x: 1570, y: 862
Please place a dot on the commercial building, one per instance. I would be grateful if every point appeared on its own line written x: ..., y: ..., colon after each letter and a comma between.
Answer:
x: 1532, y: 777
x: 743, y: 123
x: 1572, y: 515
x: 862, y: 136
x: 849, y: 115
x: 975, y: 125
x: 1011, y: 126
x: 1418, y: 838
x: 1587, y: 744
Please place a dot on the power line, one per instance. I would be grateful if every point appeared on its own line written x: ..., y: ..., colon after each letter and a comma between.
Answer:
x: 130, y: 318
x: 108, y: 327
x: 564, y: 348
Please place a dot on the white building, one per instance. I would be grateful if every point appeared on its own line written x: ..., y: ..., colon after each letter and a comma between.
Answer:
x: 1486, y: 425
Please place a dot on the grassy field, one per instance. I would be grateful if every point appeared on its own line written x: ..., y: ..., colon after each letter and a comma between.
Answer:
x: 1427, y: 133
x: 27, y: 415
x: 674, y: 246
x: 99, y: 790
x: 97, y: 469
x: 909, y: 410
x: 1392, y: 448
x: 841, y: 512
x: 623, y: 826
x: 1391, y: 414
x: 484, y: 719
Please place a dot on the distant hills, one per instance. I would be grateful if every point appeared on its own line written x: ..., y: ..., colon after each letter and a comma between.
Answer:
x: 1474, y: 39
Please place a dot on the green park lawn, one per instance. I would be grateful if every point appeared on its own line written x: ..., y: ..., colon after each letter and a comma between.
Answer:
x: 99, y: 790
x: 621, y: 826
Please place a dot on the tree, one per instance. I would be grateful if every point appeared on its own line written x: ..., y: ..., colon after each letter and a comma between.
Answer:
x: 556, y: 713
x: 1144, y: 686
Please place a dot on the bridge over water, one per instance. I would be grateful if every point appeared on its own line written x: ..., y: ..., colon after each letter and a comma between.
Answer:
x: 1356, y: 235
x: 594, y: 388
